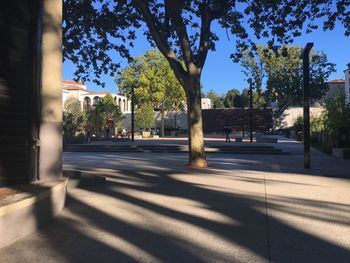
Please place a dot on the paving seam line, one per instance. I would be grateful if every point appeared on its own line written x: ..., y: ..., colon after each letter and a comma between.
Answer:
x: 267, y: 223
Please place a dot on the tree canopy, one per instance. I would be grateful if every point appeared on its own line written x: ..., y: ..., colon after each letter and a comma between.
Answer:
x: 154, y: 82
x: 104, y: 110
x: 283, y: 73
x: 144, y: 117
x: 73, y: 116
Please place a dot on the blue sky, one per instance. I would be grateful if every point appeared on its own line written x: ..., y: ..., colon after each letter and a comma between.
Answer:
x: 221, y: 74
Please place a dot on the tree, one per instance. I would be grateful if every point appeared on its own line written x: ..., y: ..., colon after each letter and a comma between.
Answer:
x: 144, y: 117
x: 91, y: 28
x: 154, y: 83
x: 254, y: 70
x: 105, y: 110
x: 216, y: 100
x: 232, y: 98
x: 73, y: 116
x: 337, y: 114
x: 283, y: 71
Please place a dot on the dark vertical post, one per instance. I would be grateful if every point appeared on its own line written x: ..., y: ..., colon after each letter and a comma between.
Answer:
x: 132, y: 113
x: 251, y: 110
x: 306, y: 104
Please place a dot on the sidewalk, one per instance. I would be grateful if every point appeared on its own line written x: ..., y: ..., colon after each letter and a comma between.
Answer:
x: 244, y: 208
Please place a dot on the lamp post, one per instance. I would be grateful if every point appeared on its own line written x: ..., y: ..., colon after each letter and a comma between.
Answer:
x: 306, y: 103
x: 250, y: 109
x: 132, y: 113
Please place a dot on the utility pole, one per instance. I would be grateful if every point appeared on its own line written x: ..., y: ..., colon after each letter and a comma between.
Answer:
x: 132, y: 113
x: 306, y: 103
x: 250, y: 109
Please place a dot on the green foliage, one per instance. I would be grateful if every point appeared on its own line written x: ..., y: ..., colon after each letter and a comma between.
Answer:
x: 337, y: 114
x: 299, y: 124
x: 95, y: 30
x: 144, y: 117
x: 232, y: 98
x: 217, y: 101
x: 73, y: 116
x: 105, y: 109
x: 317, y: 124
x: 154, y: 82
x: 283, y: 71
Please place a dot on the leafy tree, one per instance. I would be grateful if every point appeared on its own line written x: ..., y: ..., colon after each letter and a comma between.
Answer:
x: 105, y: 109
x: 232, y: 98
x: 92, y: 29
x: 144, y: 117
x: 73, y: 116
x: 337, y: 114
x: 254, y: 70
x: 154, y: 83
x: 216, y: 100
x: 317, y: 124
x: 284, y: 75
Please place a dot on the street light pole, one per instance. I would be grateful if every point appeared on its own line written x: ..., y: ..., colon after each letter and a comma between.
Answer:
x: 306, y: 103
x: 251, y: 109
x: 132, y: 113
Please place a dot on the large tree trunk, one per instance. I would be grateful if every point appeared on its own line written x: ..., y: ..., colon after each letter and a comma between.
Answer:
x: 194, y: 122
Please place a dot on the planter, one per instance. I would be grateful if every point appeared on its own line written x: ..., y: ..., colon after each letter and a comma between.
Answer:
x: 146, y: 134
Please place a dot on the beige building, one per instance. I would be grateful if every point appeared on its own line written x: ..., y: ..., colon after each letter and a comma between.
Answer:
x: 335, y: 86
x: 290, y: 115
x: 89, y: 98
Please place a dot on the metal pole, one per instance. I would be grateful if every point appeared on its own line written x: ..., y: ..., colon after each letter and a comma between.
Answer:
x: 306, y: 104
x: 251, y: 111
x: 132, y: 113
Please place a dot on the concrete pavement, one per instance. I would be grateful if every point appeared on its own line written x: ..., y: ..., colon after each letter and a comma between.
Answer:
x: 244, y: 208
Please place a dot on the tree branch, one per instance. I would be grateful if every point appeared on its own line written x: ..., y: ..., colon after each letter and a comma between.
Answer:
x: 204, y: 36
x: 161, y: 43
x: 175, y: 8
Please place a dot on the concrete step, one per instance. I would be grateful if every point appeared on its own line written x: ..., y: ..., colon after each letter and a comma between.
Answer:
x: 77, y: 179
x: 253, y: 149
x: 29, y: 206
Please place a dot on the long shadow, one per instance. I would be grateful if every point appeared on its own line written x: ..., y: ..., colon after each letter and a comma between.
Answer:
x: 244, y: 209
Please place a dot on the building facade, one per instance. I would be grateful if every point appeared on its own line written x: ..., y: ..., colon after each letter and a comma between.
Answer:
x: 347, y: 85
x: 335, y: 86
x: 88, y: 98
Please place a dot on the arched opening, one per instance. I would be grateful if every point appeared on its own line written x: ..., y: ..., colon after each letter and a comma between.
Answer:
x: 124, y: 105
x: 96, y: 100
x: 119, y: 103
x: 115, y: 100
x: 86, y: 104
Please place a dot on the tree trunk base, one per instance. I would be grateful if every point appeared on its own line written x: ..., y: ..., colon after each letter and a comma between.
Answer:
x: 198, y: 163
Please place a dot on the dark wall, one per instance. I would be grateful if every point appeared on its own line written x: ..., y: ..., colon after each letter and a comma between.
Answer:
x: 17, y: 81
x: 215, y: 119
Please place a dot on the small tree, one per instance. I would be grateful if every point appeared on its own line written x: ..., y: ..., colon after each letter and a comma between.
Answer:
x: 106, y: 109
x: 73, y: 117
x: 217, y: 101
x: 337, y: 114
x: 232, y: 98
x: 144, y: 117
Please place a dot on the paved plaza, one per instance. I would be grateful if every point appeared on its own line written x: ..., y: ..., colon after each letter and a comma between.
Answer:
x: 243, y: 208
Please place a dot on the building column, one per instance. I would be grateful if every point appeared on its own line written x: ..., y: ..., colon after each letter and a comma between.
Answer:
x: 50, y: 166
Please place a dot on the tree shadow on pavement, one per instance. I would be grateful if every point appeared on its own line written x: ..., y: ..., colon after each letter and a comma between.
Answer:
x: 170, y: 217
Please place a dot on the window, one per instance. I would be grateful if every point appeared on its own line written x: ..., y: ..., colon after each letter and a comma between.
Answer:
x: 87, y: 104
